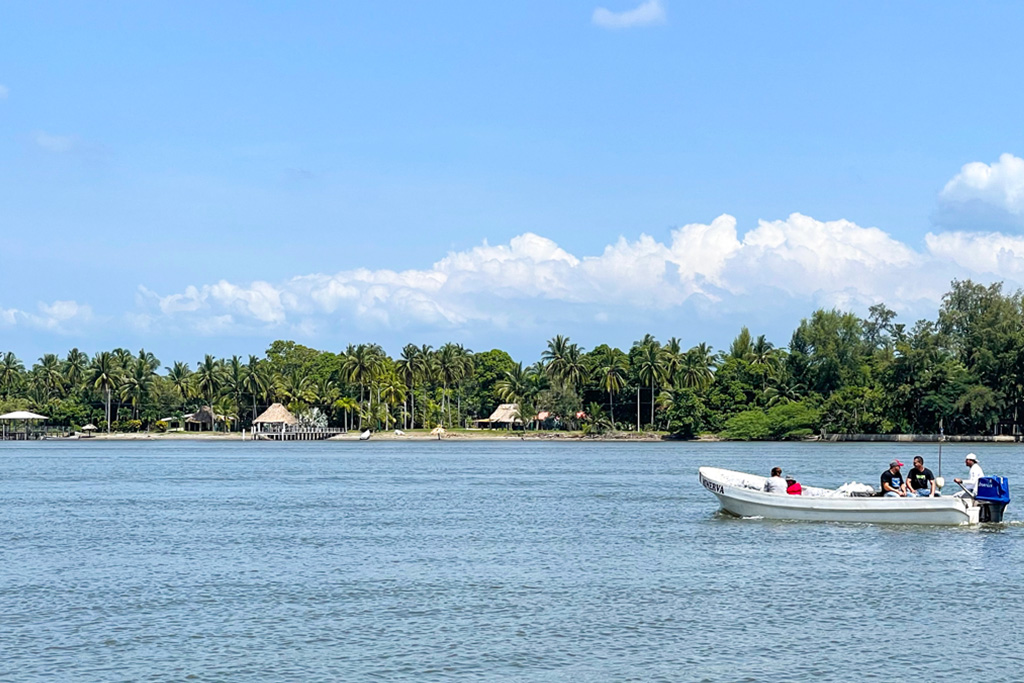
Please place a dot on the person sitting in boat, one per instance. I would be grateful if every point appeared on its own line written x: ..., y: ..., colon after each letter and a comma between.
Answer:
x: 793, y: 487
x: 976, y: 473
x: 892, y: 481
x: 920, y: 480
x: 775, y: 483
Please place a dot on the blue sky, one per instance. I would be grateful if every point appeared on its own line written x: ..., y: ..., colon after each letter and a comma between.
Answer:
x: 209, y: 177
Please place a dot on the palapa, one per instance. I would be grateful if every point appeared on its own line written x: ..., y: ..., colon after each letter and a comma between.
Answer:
x: 276, y: 414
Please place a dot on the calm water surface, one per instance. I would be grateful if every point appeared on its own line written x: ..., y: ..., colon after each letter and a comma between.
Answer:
x: 488, y: 561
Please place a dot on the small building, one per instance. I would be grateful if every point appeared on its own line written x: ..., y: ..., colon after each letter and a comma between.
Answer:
x: 504, y: 416
x: 278, y: 424
x: 274, y: 419
x: 201, y: 420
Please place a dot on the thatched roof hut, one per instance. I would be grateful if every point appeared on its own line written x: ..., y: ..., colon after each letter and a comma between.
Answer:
x: 276, y: 414
x: 503, y: 416
x: 201, y: 420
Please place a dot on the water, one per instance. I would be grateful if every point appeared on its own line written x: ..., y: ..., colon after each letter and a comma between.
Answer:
x: 517, y: 561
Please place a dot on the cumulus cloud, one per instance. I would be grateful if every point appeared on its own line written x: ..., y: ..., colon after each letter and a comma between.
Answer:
x: 55, y: 143
x: 646, y: 14
x: 985, y: 195
x: 63, y: 317
x: 531, y: 280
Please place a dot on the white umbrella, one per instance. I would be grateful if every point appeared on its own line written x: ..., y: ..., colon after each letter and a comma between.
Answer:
x: 89, y: 427
x: 22, y: 415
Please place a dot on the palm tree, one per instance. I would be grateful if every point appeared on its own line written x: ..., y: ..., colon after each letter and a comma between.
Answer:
x: 392, y: 392
x: 137, y: 385
x: 554, y: 357
x: 234, y: 380
x: 296, y: 389
x: 74, y: 368
x: 674, y: 359
x: 255, y: 383
x: 361, y: 364
x: 610, y: 373
x: 151, y: 361
x: 698, y: 367
x: 348, y: 404
x: 10, y: 373
x: 453, y: 365
x: 208, y: 380
x: 764, y: 356
x: 180, y: 377
x: 104, y: 376
x: 51, y: 375
x: 514, y: 386
x: 650, y: 368
x: 414, y: 366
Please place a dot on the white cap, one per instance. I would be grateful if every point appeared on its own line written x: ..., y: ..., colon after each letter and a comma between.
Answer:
x: 971, y: 456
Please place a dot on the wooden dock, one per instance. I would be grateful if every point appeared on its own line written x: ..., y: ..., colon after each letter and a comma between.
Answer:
x: 296, y: 433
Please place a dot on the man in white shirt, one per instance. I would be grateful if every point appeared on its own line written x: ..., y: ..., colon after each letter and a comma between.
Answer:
x: 775, y: 483
x: 975, y: 474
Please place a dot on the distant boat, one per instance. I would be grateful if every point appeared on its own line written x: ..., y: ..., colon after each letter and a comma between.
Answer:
x: 365, y: 436
x: 743, y: 495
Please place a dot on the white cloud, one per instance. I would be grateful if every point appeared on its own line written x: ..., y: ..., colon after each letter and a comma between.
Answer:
x: 989, y: 253
x: 533, y: 281
x: 62, y: 317
x: 55, y: 143
x: 984, y: 196
x: 3, y: 92
x: 647, y: 13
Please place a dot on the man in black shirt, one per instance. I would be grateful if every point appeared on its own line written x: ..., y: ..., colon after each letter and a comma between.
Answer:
x: 892, y: 481
x: 920, y: 480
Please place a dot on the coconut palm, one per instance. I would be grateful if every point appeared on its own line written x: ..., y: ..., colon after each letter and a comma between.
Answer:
x: 50, y: 374
x: 414, y: 366
x: 256, y: 383
x: 360, y: 365
x: 104, y: 375
x: 514, y: 386
x: 137, y: 384
x: 208, y: 380
x: 453, y: 365
x: 234, y: 380
x: 75, y: 365
x: 392, y: 393
x: 610, y: 373
x: 295, y: 389
x: 180, y: 377
x: 11, y: 370
x: 650, y: 368
x: 348, y: 404
x: 697, y: 370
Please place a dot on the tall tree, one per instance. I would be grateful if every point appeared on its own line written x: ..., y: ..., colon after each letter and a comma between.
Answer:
x: 104, y: 375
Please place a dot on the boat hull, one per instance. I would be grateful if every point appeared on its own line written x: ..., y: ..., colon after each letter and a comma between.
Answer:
x: 742, y: 497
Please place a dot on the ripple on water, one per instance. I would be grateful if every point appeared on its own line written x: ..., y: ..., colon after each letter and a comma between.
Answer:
x: 543, y: 562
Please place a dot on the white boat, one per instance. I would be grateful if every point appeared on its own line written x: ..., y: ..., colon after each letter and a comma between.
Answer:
x: 744, y: 495
x: 365, y: 436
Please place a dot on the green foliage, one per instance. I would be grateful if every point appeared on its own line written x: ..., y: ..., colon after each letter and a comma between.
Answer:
x: 750, y: 425
x: 788, y: 421
x: 963, y: 373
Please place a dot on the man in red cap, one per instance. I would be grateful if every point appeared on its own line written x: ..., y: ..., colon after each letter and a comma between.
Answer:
x: 892, y: 481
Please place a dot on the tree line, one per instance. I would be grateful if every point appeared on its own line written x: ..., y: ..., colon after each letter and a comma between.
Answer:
x: 962, y: 373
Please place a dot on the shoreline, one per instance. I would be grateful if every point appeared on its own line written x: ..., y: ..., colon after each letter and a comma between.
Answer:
x: 632, y: 437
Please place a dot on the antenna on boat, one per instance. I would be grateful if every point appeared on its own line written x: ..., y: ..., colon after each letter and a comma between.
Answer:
x: 939, y: 481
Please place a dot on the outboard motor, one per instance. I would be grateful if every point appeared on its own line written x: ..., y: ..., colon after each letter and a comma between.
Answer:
x: 993, y: 495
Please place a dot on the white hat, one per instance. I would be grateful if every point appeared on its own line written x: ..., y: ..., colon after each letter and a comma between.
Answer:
x: 971, y: 456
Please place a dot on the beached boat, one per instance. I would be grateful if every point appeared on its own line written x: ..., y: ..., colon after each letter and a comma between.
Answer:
x: 744, y: 495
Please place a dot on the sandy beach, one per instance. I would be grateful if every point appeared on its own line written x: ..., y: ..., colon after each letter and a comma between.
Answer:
x: 416, y: 435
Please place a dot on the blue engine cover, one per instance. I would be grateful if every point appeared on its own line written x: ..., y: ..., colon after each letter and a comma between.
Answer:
x: 993, y: 490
